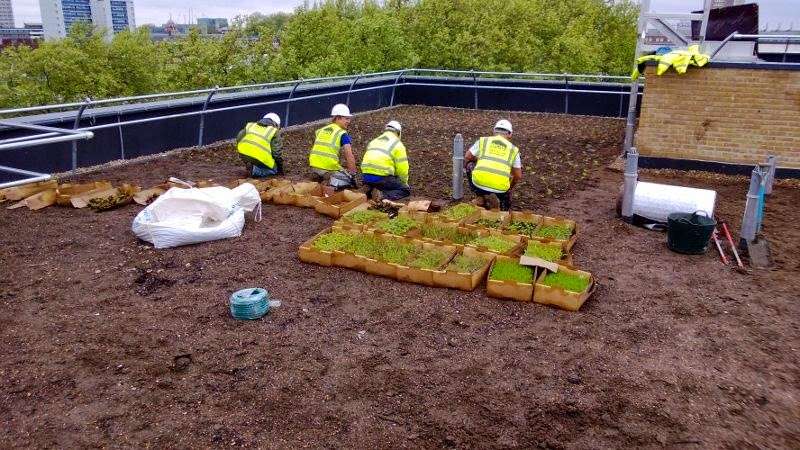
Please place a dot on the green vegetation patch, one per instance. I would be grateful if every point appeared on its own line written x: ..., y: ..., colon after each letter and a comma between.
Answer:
x: 522, y: 227
x: 446, y: 233
x: 366, y: 217
x: 459, y: 211
x: 560, y: 232
x: 399, y: 225
x: 429, y: 258
x: 332, y: 241
x: 572, y: 283
x: 466, y: 264
x: 504, y: 270
x: 494, y: 243
x: 396, y: 252
x: 489, y: 223
x: 547, y: 252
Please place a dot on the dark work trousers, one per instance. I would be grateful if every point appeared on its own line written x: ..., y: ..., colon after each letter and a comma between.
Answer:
x: 504, y: 197
x: 391, y: 188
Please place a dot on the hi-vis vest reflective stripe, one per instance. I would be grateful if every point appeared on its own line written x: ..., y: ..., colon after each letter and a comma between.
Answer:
x: 378, y: 159
x: 325, y: 152
x: 496, y: 157
x: 257, y: 143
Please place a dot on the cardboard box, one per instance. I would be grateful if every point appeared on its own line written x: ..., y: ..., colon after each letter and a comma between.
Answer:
x: 502, y: 216
x: 566, y: 243
x: 424, y: 276
x: 560, y: 298
x: 512, y: 290
x: 519, y: 243
x: 309, y: 254
x: 464, y: 281
x: 339, y: 203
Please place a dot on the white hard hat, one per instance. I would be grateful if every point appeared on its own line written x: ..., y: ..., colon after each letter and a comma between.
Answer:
x: 340, y: 110
x: 394, y: 125
x: 274, y: 118
x: 503, y: 124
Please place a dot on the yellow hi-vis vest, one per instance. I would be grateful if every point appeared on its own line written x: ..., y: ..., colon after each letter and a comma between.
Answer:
x: 385, y: 156
x: 325, y: 152
x: 257, y: 143
x: 679, y: 59
x: 496, y: 157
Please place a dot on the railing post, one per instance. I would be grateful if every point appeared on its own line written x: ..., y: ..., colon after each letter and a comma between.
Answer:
x: 566, y: 94
x: 394, y: 86
x: 121, y: 138
x: 475, y: 84
x: 75, y: 125
x: 751, y: 209
x: 203, y: 116
x: 289, y: 102
x: 629, y: 188
x: 772, y: 162
x: 349, y: 91
x: 458, y: 167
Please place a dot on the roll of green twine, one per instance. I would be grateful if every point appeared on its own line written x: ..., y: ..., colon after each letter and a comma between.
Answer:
x: 249, y: 304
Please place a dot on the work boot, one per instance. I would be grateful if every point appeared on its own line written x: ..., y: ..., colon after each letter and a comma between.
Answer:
x: 376, y: 196
x: 477, y: 201
x: 492, y: 202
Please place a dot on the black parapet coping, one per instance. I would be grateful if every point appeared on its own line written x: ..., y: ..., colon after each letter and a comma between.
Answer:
x: 654, y: 162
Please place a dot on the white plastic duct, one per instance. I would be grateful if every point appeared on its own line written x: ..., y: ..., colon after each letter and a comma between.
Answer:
x: 657, y: 201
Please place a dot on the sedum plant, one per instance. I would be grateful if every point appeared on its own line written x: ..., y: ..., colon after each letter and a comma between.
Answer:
x: 366, y: 217
x: 494, y: 243
x: 332, y: 241
x: 559, y: 232
x: 505, y: 270
x: 466, y: 264
x: 547, y: 252
x: 459, y: 211
x: 568, y: 282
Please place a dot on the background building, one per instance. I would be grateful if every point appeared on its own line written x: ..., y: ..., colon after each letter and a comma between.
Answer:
x: 29, y: 35
x: 58, y: 16
x: 212, y: 25
x: 6, y: 14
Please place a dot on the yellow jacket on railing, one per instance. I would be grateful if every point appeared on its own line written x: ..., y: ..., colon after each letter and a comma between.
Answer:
x: 679, y: 59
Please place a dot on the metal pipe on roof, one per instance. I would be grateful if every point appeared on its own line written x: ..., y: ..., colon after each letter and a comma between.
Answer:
x: 21, y: 171
x: 25, y: 181
x: 84, y: 134
x: 35, y: 127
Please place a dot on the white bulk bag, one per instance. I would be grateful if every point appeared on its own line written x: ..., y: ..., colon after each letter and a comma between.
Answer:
x: 188, y: 216
x: 657, y: 201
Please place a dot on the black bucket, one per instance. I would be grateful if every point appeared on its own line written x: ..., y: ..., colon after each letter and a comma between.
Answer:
x: 689, y: 233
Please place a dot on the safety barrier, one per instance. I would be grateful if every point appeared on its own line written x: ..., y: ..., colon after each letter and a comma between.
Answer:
x: 129, y: 127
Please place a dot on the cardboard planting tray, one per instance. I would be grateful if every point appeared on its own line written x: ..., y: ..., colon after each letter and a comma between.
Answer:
x: 527, y: 260
x: 566, y: 243
x: 419, y: 216
x: 339, y: 203
x: 521, y: 216
x: 502, y: 216
x: 345, y: 223
x: 433, y: 221
x: 560, y: 298
x: 464, y: 281
x: 442, y: 218
x: 424, y: 276
x: 309, y: 254
x: 518, y: 240
x: 512, y: 290
x: 302, y: 194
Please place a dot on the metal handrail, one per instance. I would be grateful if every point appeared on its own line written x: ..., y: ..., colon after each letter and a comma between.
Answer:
x: 183, y: 93
x: 55, y: 135
x: 400, y: 72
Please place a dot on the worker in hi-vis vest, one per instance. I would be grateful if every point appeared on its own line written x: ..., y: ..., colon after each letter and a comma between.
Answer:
x: 259, y: 147
x: 494, y: 166
x: 329, y: 141
x: 384, y: 167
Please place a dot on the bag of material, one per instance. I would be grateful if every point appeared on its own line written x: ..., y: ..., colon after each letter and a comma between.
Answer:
x: 188, y: 216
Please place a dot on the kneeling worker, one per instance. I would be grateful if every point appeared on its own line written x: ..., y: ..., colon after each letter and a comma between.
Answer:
x: 324, y: 155
x: 385, y: 165
x: 259, y: 147
x: 494, y: 167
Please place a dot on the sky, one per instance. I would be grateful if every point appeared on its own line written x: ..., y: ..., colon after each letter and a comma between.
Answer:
x: 158, y: 11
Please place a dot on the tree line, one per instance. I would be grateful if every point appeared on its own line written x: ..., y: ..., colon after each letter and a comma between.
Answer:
x: 330, y: 37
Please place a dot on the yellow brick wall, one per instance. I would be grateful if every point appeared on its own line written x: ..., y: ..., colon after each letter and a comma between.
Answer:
x: 722, y: 115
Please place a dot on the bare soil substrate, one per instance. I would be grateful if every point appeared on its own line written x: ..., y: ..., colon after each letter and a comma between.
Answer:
x: 105, y: 341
